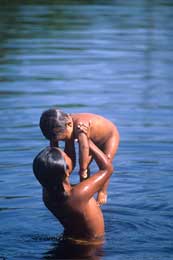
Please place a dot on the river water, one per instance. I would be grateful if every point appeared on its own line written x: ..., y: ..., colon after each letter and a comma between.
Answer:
x: 113, y: 58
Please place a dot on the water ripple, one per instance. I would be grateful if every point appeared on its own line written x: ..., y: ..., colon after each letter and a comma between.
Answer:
x: 113, y: 58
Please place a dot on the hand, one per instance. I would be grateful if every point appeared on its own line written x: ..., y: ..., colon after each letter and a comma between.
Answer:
x: 83, y: 128
x: 83, y: 175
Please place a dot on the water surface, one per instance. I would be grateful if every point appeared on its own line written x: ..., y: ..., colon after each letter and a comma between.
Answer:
x: 113, y: 58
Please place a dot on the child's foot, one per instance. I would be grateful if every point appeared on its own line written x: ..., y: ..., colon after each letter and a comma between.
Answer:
x: 101, y: 197
x: 84, y: 174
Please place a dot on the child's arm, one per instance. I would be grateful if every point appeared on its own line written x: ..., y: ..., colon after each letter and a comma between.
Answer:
x: 86, y: 189
x: 84, y: 157
x: 84, y: 152
x: 82, y: 132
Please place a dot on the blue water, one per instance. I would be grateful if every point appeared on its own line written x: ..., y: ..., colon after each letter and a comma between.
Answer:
x: 114, y: 58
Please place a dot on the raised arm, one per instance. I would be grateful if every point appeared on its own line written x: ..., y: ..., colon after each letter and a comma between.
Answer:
x: 83, y: 154
x: 86, y: 189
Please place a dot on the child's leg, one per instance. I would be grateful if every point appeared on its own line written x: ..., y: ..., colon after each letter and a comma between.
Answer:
x: 110, y: 150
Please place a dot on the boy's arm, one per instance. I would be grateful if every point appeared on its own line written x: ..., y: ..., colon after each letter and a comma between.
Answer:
x: 86, y: 189
x: 83, y: 154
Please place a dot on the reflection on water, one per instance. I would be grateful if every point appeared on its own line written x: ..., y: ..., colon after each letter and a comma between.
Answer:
x: 64, y: 249
x: 113, y: 58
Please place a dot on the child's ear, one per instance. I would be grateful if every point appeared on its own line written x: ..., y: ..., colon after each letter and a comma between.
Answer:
x: 69, y: 121
x: 67, y: 174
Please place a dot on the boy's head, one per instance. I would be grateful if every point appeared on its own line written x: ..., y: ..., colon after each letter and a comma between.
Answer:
x: 49, y: 167
x: 56, y: 125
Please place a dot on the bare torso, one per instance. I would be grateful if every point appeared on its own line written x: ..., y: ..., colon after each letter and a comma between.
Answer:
x: 80, y: 220
x: 100, y: 129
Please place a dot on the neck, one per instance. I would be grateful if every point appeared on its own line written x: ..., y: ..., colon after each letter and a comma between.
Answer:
x: 66, y: 185
x: 60, y: 192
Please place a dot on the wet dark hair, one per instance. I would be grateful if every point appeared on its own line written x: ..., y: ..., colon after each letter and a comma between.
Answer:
x: 50, y: 119
x: 49, y: 167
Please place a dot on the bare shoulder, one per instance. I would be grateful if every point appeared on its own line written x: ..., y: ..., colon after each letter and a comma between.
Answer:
x: 86, y: 117
x: 82, y: 118
x: 96, y: 123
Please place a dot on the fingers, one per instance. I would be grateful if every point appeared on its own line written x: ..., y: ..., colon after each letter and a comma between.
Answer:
x: 81, y: 124
x: 101, y: 198
x: 83, y: 127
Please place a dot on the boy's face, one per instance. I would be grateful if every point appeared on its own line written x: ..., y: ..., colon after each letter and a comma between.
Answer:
x: 65, y: 135
x: 57, y: 135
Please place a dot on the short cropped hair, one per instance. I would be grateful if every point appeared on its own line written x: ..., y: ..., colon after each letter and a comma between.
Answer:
x: 49, y: 167
x: 50, y: 119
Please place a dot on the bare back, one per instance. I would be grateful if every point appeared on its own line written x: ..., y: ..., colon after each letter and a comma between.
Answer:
x: 80, y: 220
x: 100, y: 128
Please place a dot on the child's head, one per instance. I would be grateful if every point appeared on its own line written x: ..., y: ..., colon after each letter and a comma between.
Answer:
x: 49, y: 167
x: 56, y: 125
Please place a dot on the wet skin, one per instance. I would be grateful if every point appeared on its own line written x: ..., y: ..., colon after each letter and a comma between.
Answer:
x: 97, y: 128
x: 74, y: 206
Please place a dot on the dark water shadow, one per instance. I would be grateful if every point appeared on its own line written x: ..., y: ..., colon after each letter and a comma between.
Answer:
x: 65, y: 249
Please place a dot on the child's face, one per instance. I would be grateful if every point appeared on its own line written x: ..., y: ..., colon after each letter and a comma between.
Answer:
x: 57, y: 135
x: 65, y: 135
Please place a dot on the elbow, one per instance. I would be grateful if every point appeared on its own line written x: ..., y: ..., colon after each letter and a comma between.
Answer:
x: 110, y: 167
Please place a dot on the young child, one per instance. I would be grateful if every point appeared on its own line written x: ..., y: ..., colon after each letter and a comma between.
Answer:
x: 57, y: 125
x: 74, y: 206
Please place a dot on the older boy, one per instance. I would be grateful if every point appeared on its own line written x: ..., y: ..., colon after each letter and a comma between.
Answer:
x: 57, y: 125
x: 74, y: 206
